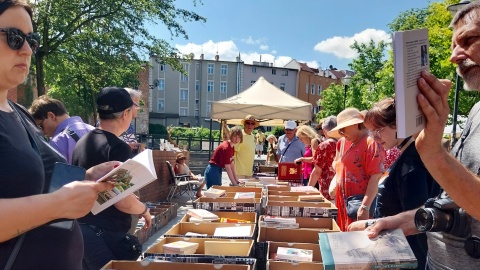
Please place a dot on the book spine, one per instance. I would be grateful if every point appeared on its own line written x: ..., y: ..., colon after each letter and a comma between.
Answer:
x: 327, y: 257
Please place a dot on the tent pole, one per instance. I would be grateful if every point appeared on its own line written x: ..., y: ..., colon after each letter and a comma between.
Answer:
x: 210, y: 148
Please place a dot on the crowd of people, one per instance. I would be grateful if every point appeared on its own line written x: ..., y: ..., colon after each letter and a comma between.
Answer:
x: 376, y: 180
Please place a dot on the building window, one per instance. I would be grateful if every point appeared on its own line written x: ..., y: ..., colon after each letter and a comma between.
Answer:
x: 210, y: 68
x: 183, y: 94
x: 161, y: 105
x: 254, y: 70
x: 306, y: 88
x: 251, y: 83
x: 319, y: 89
x: 282, y: 86
x: 274, y: 71
x: 195, y: 113
x: 313, y: 89
x: 223, y: 87
x: 284, y: 72
x: 161, y: 84
x: 210, y: 86
x: 224, y: 69
x: 197, y: 85
x: 183, y: 77
x: 209, y: 107
x: 162, y: 67
x: 183, y: 112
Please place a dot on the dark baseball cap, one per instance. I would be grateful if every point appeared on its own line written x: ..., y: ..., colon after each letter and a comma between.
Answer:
x: 113, y: 100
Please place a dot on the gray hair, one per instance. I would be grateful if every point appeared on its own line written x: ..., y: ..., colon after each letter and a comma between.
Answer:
x: 329, y: 123
x: 134, y: 93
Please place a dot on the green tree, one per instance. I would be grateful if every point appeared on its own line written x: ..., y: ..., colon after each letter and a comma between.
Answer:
x: 331, y: 101
x: 89, y: 44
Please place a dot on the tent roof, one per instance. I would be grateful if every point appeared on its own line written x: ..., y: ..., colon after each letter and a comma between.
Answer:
x: 264, y: 101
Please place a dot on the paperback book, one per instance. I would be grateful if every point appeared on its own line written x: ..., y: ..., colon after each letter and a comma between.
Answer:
x: 294, y: 254
x: 356, y: 251
x: 410, y: 54
x: 202, y: 214
x: 244, y: 195
x: 127, y: 178
x: 214, y: 193
x: 180, y: 247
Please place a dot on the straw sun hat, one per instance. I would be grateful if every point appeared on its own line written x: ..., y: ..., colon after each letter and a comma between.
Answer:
x: 251, y: 118
x: 346, y: 118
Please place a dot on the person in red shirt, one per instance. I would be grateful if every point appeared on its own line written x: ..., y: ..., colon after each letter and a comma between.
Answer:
x: 223, y: 158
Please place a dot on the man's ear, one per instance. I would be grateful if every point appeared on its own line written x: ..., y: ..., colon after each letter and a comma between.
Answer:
x: 51, y: 115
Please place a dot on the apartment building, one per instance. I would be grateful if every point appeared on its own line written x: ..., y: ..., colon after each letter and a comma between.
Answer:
x: 281, y: 77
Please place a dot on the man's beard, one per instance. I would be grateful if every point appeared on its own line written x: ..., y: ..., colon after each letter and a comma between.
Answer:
x: 471, y: 79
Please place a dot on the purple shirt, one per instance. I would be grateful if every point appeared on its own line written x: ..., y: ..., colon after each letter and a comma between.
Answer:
x: 63, y: 142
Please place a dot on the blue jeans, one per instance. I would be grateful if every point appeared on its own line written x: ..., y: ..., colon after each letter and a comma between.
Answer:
x: 213, y: 175
x: 96, y: 252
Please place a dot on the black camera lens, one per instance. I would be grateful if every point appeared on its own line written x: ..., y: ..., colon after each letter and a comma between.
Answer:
x: 433, y: 220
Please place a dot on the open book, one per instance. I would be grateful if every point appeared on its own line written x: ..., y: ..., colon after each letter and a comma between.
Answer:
x: 355, y: 251
x: 129, y: 177
x: 410, y: 53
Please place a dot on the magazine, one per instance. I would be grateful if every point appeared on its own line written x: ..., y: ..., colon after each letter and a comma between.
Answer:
x: 410, y: 54
x: 127, y: 178
x: 355, y: 251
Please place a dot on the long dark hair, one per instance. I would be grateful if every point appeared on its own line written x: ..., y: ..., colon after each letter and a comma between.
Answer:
x: 382, y: 113
x: 6, y: 4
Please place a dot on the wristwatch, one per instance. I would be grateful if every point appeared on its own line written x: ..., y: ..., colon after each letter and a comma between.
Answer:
x: 363, y: 206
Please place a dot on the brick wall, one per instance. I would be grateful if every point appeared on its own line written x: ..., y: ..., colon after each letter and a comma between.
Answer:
x: 158, y: 189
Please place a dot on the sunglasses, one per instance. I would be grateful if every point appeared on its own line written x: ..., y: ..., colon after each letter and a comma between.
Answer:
x: 16, y: 38
x: 250, y: 123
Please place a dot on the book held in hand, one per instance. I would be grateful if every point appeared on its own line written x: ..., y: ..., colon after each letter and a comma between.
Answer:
x: 410, y: 54
x: 127, y: 178
x: 294, y: 254
x: 356, y: 251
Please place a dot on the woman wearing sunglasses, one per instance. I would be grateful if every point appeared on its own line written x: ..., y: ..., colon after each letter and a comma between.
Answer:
x: 358, y: 167
x: 407, y: 184
x: 26, y: 242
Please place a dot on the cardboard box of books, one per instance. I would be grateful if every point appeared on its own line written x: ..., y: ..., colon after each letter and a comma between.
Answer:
x: 228, y: 204
x: 228, y: 217
x: 169, y: 209
x: 239, y: 189
x: 278, y: 188
x: 355, y: 250
x: 280, y: 198
x: 212, y: 230
x: 241, y: 194
x: 300, y: 235
x: 276, y: 252
x: 204, y: 246
x: 323, y: 224
x: 301, y: 209
x: 279, y: 265
x: 166, y: 265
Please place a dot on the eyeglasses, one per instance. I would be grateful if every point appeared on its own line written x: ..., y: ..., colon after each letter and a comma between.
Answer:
x: 250, y: 123
x: 376, y: 132
x: 341, y: 131
x: 40, y: 125
x: 136, y: 104
x: 16, y: 38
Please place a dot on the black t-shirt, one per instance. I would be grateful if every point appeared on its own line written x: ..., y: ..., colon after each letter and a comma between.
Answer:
x: 22, y: 174
x: 408, y: 186
x: 97, y: 147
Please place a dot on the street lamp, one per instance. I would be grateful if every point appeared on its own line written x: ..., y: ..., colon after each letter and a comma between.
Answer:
x: 345, y: 81
x: 453, y: 9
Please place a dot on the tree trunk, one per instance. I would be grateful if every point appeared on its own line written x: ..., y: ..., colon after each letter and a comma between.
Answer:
x: 40, y: 74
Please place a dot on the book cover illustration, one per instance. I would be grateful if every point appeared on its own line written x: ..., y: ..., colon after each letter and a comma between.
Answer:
x: 294, y: 254
x: 410, y: 53
x: 127, y: 178
x: 355, y: 251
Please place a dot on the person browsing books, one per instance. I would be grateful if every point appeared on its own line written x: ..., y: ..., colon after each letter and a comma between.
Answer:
x: 245, y: 150
x: 222, y: 158
x: 181, y: 168
x: 407, y: 184
x: 64, y: 131
x: 271, y: 150
x: 289, y: 146
x: 26, y: 239
x: 308, y: 136
x: 358, y: 168
x: 456, y: 172
x: 114, y: 107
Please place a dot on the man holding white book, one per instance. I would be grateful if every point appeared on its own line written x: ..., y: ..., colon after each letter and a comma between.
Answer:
x: 454, y: 247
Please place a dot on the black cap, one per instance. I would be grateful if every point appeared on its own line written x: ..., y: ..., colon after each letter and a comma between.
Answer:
x: 113, y: 100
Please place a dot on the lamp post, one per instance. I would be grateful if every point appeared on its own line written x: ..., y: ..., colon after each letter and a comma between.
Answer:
x: 345, y: 81
x: 453, y: 9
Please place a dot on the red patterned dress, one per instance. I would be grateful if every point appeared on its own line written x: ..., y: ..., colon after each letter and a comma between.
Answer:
x: 324, y: 156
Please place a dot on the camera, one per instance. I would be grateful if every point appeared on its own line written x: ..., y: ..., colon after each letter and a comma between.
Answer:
x: 443, y: 215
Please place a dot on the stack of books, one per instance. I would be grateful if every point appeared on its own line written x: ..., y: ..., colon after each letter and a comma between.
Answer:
x: 202, y: 215
x: 244, y: 195
x: 279, y: 222
x: 214, y: 193
x: 180, y: 247
x: 294, y: 254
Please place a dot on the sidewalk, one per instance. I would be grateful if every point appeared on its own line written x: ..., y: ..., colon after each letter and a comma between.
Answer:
x: 184, y: 203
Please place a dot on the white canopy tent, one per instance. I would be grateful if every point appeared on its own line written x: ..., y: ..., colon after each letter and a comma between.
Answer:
x: 264, y: 101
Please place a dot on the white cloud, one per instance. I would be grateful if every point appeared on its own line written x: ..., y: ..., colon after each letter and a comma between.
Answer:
x: 340, y: 46
x: 251, y: 41
x: 263, y: 47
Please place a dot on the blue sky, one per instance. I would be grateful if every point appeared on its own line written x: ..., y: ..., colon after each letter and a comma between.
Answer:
x: 317, y: 32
